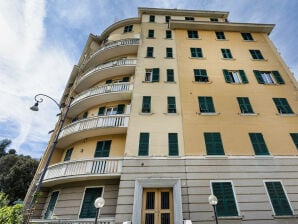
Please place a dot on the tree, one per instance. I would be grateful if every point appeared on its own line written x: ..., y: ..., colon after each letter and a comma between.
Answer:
x: 3, y: 145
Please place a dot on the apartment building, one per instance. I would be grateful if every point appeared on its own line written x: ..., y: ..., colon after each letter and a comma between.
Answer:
x: 169, y: 108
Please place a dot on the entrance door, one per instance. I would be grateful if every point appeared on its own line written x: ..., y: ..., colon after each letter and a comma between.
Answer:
x: 157, y: 207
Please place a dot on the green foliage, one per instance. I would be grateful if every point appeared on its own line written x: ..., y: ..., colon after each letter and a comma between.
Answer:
x: 11, y: 214
x: 3, y: 145
x: 3, y: 200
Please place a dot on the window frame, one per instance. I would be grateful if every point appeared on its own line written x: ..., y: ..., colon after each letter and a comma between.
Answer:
x: 167, y: 19
x: 82, y: 201
x: 168, y: 34
x: 258, y: 144
x: 68, y: 154
x: 128, y: 28
x: 226, y: 53
x: 49, y: 216
x: 245, y: 105
x: 170, y: 74
x: 169, y: 52
x: 192, y: 34
x: 173, y: 146
x: 214, y: 20
x: 256, y: 54
x: 196, y: 52
x: 102, y: 151
x: 150, y: 52
x: 189, y: 18
x: 220, y: 35
x: 152, y: 75
x: 294, y: 137
x: 247, y: 37
x: 145, y: 136
x: 171, y: 105
x: 208, y: 104
x: 150, y: 34
x: 215, y: 146
x: 264, y: 77
x: 232, y: 76
x: 200, y: 75
x: 282, y: 104
x: 146, y: 104
x: 151, y: 18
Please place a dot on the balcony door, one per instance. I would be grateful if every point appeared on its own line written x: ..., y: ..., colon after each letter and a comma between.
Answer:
x: 157, y: 206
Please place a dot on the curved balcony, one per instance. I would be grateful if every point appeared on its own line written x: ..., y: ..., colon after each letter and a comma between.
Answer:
x: 81, y: 169
x: 104, y: 71
x: 111, y: 50
x: 91, y: 127
x: 99, y: 95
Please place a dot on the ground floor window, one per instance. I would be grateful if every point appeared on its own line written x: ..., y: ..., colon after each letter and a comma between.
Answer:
x: 87, y: 209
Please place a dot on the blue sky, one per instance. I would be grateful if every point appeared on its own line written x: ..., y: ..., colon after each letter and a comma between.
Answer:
x: 42, y: 40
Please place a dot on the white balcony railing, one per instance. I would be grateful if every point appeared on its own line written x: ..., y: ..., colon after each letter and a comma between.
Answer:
x: 111, y: 64
x: 67, y: 221
x: 96, y: 166
x: 109, y: 45
x: 94, y: 123
x: 110, y: 88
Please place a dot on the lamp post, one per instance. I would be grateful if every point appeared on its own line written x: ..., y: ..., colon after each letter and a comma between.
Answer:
x: 213, y: 201
x: 38, y: 99
x: 98, y: 204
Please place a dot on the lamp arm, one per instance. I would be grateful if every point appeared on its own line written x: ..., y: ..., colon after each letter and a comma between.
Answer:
x: 39, y: 99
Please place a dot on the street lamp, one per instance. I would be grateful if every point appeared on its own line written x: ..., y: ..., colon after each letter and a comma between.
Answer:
x: 98, y: 204
x: 213, y: 201
x: 38, y: 99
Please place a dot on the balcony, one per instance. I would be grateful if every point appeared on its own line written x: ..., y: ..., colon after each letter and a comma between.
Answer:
x: 99, y: 95
x: 81, y: 169
x: 91, y: 127
x: 104, y: 71
x: 111, y: 50
x: 68, y: 221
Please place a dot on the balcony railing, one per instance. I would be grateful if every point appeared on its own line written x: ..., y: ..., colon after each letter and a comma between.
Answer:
x: 110, y: 88
x: 95, y: 123
x: 67, y: 221
x: 96, y: 166
x: 111, y: 64
x: 113, y: 44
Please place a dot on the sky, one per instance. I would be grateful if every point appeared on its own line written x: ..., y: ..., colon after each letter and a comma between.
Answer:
x: 41, y: 41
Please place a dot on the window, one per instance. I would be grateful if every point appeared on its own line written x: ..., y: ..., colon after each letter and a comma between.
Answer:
x: 144, y: 144
x: 206, y: 104
x: 168, y: 34
x: 150, y: 33
x: 247, y: 36
x: 149, y: 52
x: 85, y: 115
x: 151, y: 18
x: 173, y: 144
x: 68, y: 154
x: 226, y: 200
x: 258, y: 144
x: 171, y: 104
x: 282, y: 106
x: 220, y: 35
x: 189, y: 18
x: 200, y: 75
x: 74, y: 119
x: 113, y: 110
x: 101, y: 111
x: 278, y: 198
x: 88, y: 210
x: 125, y: 79
x: 213, y: 143
x: 232, y: 76
x: 256, y: 54
x: 51, y: 205
x: 193, y: 34
x: 214, y: 19
x: 128, y: 28
x: 295, y: 138
x: 196, y: 52
x: 146, y: 105
x: 169, y: 52
x: 170, y: 75
x: 103, y: 149
x: 167, y: 19
x: 268, y: 77
x: 226, y: 53
x: 152, y: 75
x: 244, y: 105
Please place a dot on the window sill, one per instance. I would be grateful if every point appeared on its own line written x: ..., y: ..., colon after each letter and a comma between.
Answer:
x: 229, y: 59
x: 285, y: 216
x: 149, y: 82
x: 168, y: 38
x: 216, y: 156
x: 252, y: 59
x: 193, y: 38
x: 221, y: 39
x: 149, y: 57
x: 150, y: 37
x: 287, y: 115
x: 231, y: 217
x: 248, y: 114
x: 171, y: 114
x: 128, y: 32
x: 236, y: 83
x: 169, y: 58
x: 146, y: 114
x: 248, y: 41
x: 208, y: 113
x: 170, y: 82
x: 199, y: 82
x: 199, y: 58
x: 263, y: 156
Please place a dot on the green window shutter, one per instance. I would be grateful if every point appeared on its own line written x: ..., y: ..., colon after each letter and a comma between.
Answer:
x: 88, y: 209
x: 244, y: 105
x: 259, y: 77
x: 206, y: 104
x: 51, y: 205
x: 169, y: 52
x: 227, y: 76
x: 103, y: 149
x: 120, y: 108
x: 200, y: 75
x: 155, y: 75
x: 144, y: 144
x: 146, y: 106
x: 173, y: 144
x: 213, y: 143
x: 282, y: 106
x: 226, y: 201
x: 278, y: 199
x: 101, y: 111
x: 258, y: 144
x: 68, y: 154
x: 295, y: 138
x: 170, y: 75
x: 278, y: 77
x: 171, y: 104
x: 243, y: 76
x: 125, y: 79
